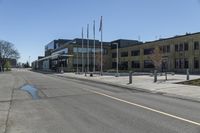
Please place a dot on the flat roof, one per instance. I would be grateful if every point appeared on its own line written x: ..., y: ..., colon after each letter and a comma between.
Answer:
x: 174, y: 37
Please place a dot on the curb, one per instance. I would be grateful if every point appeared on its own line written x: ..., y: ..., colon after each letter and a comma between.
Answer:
x: 106, y: 83
x: 135, y: 88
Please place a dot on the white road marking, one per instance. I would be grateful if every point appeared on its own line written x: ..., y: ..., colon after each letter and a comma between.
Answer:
x: 144, y: 107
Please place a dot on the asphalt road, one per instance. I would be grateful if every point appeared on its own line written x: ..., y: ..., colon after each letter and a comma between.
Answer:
x: 71, y: 106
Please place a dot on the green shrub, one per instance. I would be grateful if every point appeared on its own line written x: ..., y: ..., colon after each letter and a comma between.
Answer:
x: 7, y: 66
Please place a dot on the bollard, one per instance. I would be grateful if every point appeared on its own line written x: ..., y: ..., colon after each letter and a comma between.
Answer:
x: 188, y: 75
x: 165, y: 75
x: 91, y: 74
x: 61, y: 70
x: 85, y: 72
x: 130, y: 77
x: 155, y: 75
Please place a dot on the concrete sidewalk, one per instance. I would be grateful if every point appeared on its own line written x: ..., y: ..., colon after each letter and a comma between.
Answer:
x: 145, y: 83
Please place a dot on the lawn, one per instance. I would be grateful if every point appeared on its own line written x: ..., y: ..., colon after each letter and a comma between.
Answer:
x: 195, y: 82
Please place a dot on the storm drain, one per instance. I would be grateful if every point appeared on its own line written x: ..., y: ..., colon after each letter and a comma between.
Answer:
x: 31, y: 90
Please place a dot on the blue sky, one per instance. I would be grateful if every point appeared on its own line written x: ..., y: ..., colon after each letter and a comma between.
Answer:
x: 31, y: 24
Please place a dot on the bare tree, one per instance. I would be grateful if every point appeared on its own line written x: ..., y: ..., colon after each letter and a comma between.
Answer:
x: 156, y: 58
x: 98, y: 60
x: 7, y: 51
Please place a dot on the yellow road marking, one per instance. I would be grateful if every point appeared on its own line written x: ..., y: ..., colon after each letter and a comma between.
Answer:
x: 144, y: 107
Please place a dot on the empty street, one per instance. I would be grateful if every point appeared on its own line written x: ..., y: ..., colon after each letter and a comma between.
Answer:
x: 71, y: 106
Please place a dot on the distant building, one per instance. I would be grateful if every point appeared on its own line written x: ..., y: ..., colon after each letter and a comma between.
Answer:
x: 55, y: 44
x: 178, y: 54
x: 66, y: 55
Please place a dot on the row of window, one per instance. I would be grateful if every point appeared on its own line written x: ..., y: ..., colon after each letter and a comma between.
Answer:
x: 164, y: 49
x: 90, y: 50
x: 181, y: 47
x: 135, y: 64
x: 179, y: 64
x: 185, y: 46
x: 184, y: 63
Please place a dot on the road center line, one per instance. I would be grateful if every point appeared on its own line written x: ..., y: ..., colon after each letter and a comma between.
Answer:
x: 144, y: 107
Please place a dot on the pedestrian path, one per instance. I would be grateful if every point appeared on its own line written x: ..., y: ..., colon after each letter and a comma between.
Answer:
x: 145, y: 82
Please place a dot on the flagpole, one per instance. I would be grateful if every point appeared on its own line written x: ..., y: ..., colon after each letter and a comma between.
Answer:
x: 87, y: 47
x: 82, y: 52
x: 101, y: 46
x: 94, y: 47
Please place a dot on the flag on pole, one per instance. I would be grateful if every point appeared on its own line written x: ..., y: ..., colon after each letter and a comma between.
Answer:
x: 101, y: 24
x: 94, y: 28
x: 87, y: 30
x: 101, y: 30
x: 88, y: 48
x: 82, y: 32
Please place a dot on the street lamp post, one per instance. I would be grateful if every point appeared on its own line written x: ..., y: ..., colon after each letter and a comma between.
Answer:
x: 29, y: 60
x: 77, y: 60
x: 1, y: 57
x: 117, y: 63
x: 82, y: 52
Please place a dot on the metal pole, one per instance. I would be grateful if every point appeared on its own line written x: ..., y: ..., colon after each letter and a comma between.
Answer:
x: 155, y: 75
x: 188, y: 75
x: 1, y: 50
x: 130, y: 77
x: 29, y: 61
x: 61, y: 69
x: 82, y: 52
x: 88, y: 48
x: 1, y: 57
x: 101, y: 46
x: 94, y: 47
x: 77, y: 60
x: 117, y: 60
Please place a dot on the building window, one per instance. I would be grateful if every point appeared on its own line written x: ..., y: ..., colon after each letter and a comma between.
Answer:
x: 176, y: 47
x: 181, y: 47
x: 176, y: 63
x: 105, y: 51
x: 135, y: 64
x: 186, y: 46
x: 168, y: 48
x: 124, y: 54
x: 148, y: 64
x: 114, y: 64
x: 124, y: 65
x: 196, y: 63
x: 114, y: 55
x: 186, y: 63
x: 135, y: 53
x: 181, y: 63
x: 165, y: 49
x: 196, y: 45
x: 148, y: 51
